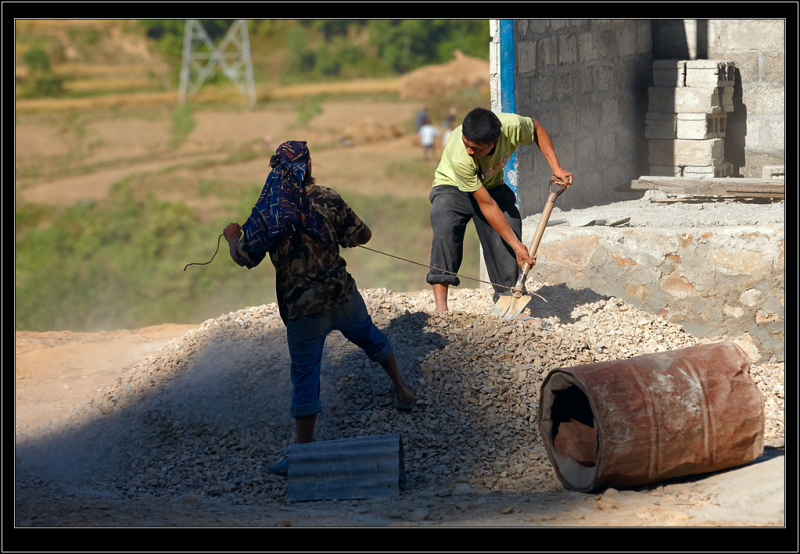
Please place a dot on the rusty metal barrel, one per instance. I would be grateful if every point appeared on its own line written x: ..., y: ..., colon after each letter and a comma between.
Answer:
x: 652, y: 417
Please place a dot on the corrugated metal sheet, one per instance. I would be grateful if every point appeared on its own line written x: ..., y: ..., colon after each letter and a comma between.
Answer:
x: 361, y: 467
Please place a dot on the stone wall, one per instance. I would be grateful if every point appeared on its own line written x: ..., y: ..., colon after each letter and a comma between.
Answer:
x: 718, y: 282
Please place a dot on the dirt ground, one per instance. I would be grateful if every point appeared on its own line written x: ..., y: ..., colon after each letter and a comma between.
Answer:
x: 57, y: 372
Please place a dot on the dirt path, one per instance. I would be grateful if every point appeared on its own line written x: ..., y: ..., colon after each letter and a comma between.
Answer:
x: 58, y: 371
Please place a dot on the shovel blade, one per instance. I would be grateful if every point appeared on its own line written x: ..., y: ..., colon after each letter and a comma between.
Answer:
x: 509, y: 307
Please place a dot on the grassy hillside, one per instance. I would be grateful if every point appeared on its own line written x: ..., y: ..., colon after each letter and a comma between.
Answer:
x: 113, y: 199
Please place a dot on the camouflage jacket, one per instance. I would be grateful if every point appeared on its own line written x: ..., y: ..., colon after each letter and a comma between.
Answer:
x: 310, y: 277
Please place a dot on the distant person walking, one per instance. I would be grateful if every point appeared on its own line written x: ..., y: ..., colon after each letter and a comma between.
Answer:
x: 450, y: 120
x: 427, y: 135
x: 421, y: 117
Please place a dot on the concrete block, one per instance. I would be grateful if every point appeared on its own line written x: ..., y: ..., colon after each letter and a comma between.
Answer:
x: 752, y: 140
x: 526, y: 56
x: 584, y: 79
x: 773, y: 172
x: 539, y: 26
x: 569, y: 120
x: 564, y: 84
x: 607, y: 147
x: 544, y: 89
x: 724, y: 169
x: 590, y: 118
x: 587, y: 47
x: 610, y: 112
x: 686, y: 152
x: 546, y: 52
x: 659, y: 125
x: 626, y: 40
x: 605, y: 78
x: 764, y: 100
x: 644, y: 38
x: 567, y: 49
x: 684, y: 99
x: 666, y: 170
x: 726, y: 98
x: 607, y: 43
x: 746, y: 34
x: 669, y: 73
x: 699, y: 126
x: 776, y: 135
x: 710, y: 73
x: 566, y: 153
x: 587, y: 149
x: 774, y: 65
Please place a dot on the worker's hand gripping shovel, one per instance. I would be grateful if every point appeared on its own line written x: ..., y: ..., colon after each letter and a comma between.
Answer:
x: 509, y: 307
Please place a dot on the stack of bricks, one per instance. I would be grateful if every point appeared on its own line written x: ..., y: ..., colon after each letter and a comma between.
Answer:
x: 685, y: 122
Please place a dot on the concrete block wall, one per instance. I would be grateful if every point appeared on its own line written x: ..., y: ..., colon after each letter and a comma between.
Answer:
x: 755, y: 127
x: 586, y: 81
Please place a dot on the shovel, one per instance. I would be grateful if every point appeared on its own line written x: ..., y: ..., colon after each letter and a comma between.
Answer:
x: 509, y: 307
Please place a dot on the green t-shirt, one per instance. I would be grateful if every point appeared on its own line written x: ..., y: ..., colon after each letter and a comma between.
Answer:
x: 457, y: 168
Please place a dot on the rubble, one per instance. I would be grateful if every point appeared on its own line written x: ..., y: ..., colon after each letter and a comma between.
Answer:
x: 208, y: 412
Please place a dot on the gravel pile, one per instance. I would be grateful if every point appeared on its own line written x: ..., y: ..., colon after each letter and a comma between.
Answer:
x: 207, y: 412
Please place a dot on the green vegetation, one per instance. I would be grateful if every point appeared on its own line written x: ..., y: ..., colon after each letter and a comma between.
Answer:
x: 182, y: 124
x: 120, y: 263
x: 41, y: 81
x: 319, y: 49
x: 309, y: 107
x: 288, y: 51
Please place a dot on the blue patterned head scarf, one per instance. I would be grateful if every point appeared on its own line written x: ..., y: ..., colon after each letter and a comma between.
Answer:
x: 283, y: 205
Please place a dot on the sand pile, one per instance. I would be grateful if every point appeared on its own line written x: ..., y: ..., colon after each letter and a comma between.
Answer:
x: 462, y: 72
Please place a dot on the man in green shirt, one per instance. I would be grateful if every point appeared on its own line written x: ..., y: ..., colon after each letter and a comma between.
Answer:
x: 468, y: 185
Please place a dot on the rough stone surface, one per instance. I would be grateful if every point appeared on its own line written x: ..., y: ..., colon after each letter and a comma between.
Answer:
x: 204, y: 416
x: 709, y: 266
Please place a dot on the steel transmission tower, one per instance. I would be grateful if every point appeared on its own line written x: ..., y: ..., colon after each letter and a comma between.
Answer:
x: 201, y: 56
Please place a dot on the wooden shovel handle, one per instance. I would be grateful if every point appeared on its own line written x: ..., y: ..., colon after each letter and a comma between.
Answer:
x: 548, y: 209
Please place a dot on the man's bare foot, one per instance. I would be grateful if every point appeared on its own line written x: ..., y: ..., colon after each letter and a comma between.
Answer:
x: 404, y: 393
x: 403, y: 397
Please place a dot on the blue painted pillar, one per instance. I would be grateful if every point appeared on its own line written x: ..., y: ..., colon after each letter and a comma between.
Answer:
x: 508, y: 93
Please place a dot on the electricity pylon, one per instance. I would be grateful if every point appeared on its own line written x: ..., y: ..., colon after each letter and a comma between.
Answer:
x: 232, y: 55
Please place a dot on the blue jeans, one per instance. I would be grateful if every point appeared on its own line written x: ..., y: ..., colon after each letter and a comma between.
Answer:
x: 306, y: 338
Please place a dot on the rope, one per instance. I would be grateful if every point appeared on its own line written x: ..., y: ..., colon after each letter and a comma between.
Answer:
x: 209, y: 261
x: 450, y: 272
x: 397, y: 258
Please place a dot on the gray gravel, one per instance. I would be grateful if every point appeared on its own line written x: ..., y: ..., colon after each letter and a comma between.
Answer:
x: 206, y: 413
x: 657, y: 209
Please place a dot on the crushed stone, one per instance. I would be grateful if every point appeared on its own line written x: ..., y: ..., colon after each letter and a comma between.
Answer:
x: 209, y: 411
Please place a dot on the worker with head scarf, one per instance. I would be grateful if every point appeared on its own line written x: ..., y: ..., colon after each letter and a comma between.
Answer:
x: 301, y: 226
